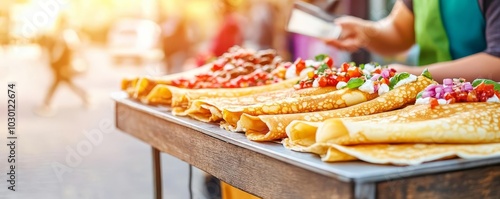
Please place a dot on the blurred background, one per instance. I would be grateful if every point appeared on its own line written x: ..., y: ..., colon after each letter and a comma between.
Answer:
x: 106, y: 40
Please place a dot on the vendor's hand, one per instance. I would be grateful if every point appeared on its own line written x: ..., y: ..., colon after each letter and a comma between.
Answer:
x: 355, y: 33
x: 404, y: 68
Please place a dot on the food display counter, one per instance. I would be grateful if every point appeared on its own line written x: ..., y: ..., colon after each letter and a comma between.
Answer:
x: 269, y: 170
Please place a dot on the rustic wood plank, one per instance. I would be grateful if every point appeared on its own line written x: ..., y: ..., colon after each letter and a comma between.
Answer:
x: 245, y: 169
x: 472, y: 183
x: 357, y: 171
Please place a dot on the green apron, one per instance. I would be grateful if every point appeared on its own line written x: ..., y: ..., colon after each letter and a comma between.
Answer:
x: 448, y: 29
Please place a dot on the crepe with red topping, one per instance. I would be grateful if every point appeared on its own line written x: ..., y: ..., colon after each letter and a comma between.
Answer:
x: 458, y: 90
x: 282, y: 102
x: 140, y: 86
x: 272, y: 127
x: 238, y: 68
x: 181, y: 97
x: 360, y: 84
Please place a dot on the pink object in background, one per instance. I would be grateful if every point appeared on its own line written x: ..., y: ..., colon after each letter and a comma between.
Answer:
x: 307, y: 47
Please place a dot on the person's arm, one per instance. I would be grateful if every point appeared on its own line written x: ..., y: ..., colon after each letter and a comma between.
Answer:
x: 391, y: 35
x: 480, y: 65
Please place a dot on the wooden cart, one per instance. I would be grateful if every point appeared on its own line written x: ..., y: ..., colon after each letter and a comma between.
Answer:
x: 269, y: 170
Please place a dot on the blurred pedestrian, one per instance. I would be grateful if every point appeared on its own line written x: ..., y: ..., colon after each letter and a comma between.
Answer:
x: 177, y: 44
x: 65, y: 65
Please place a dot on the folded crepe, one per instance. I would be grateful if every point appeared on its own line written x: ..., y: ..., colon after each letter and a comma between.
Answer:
x: 210, y: 109
x: 272, y: 127
x: 460, y: 123
x: 409, y: 154
x: 139, y: 87
x: 323, y: 78
x: 181, y: 97
x: 454, y: 130
x: 328, y: 101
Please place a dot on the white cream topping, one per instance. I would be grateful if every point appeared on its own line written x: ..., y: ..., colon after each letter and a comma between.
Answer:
x: 291, y: 72
x: 341, y: 84
x: 442, y: 101
x: 493, y: 99
x: 369, y: 68
x: 383, y: 88
x: 316, y: 83
x: 367, y: 87
x: 305, y: 71
x: 312, y: 63
x: 411, y: 78
x: 423, y: 101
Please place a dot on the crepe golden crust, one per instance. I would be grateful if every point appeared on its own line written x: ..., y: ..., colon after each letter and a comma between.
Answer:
x: 454, y: 123
x: 181, y: 97
x: 210, y: 109
x: 409, y: 154
x: 128, y: 85
x: 301, y: 135
x: 272, y: 127
x: 328, y: 101
x: 139, y: 87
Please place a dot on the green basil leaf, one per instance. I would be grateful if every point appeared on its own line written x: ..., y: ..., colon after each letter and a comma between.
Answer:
x: 419, y: 95
x: 398, y: 77
x: 476, y: 82
x: 392, y: 82
x: 402, y: 76
x: 427, y: 74
x: 362, y: 66
x: 322, y: 68
x: 496, y: 85
x: 355, y: 83
x: 320, y: 57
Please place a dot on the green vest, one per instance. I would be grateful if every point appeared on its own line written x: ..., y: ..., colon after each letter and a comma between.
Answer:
x: 448, y: 29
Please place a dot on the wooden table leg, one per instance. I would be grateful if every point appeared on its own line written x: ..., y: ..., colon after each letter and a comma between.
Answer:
x: 157, y: 173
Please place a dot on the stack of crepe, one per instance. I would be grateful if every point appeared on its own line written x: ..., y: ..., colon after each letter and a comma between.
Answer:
x: 140, y: 87
x: 181, y: 97
x: 157, y: 91
x: 264, y: 116
x: 218, y: 109
x: 259, y: 127
x: 408, y: 136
